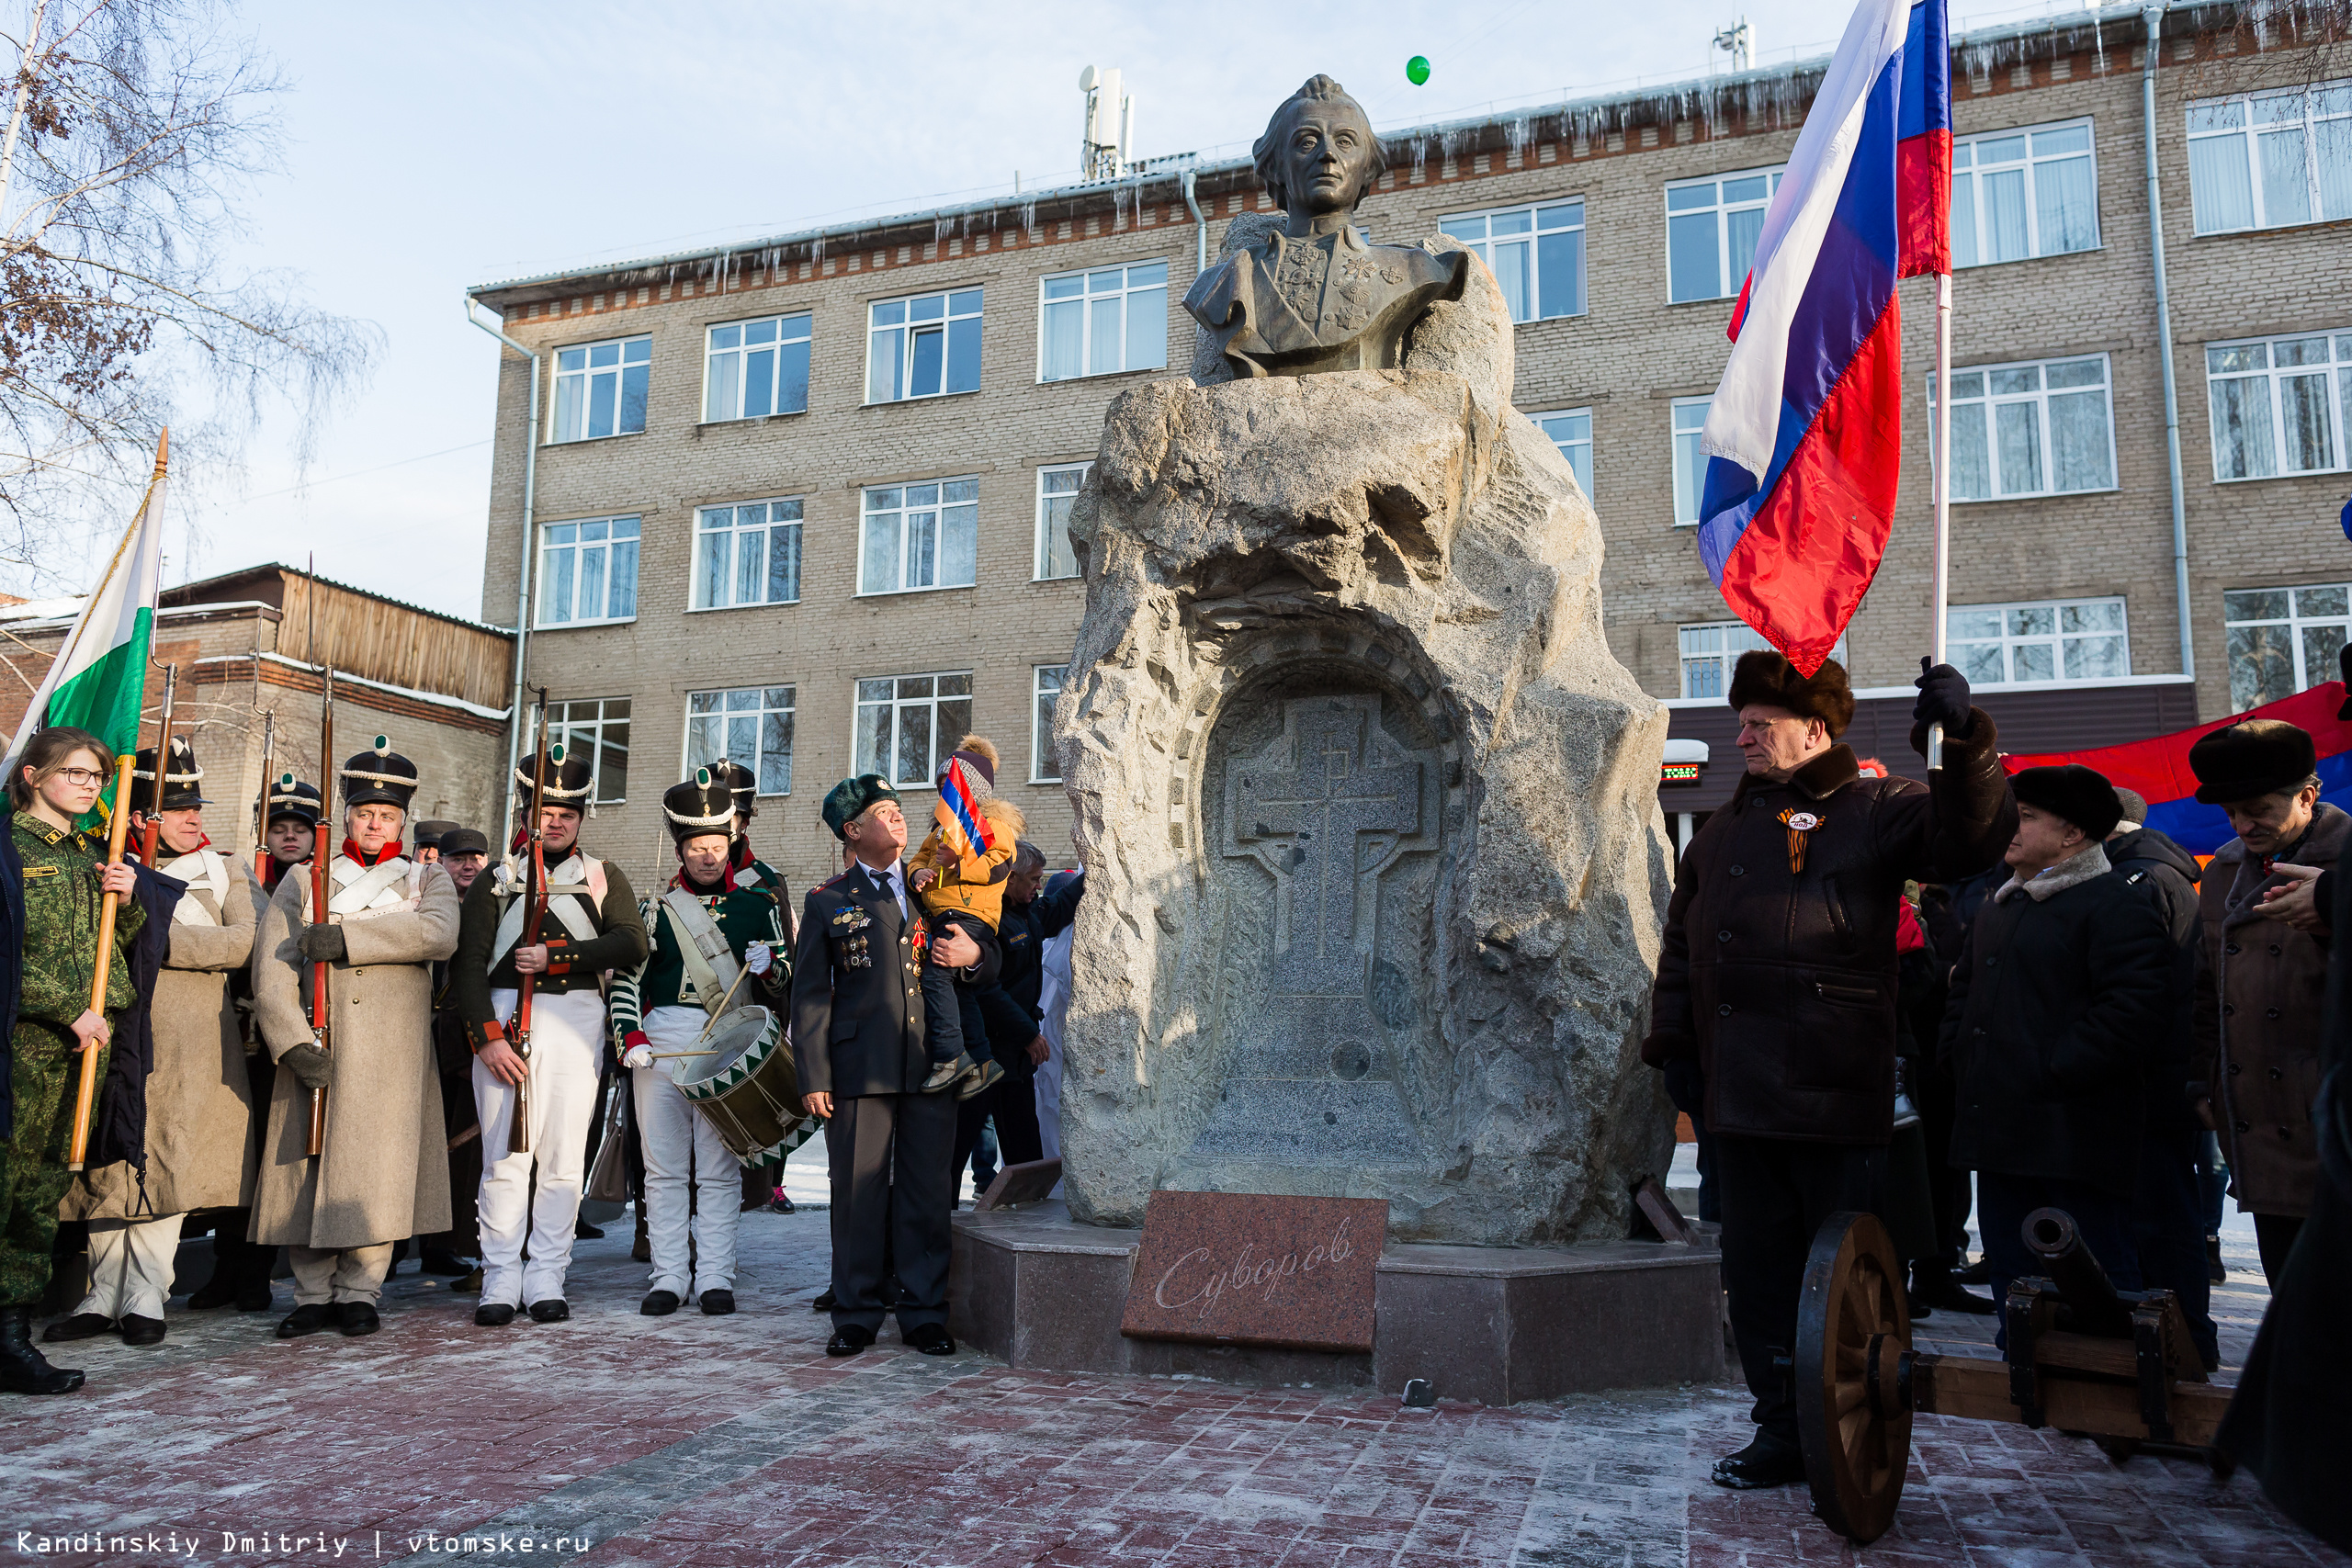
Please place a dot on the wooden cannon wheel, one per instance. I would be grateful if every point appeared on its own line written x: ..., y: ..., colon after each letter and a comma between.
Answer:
x: 1853, y: 1408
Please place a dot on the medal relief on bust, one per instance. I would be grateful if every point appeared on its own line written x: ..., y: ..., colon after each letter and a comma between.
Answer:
x: 1315, y: 295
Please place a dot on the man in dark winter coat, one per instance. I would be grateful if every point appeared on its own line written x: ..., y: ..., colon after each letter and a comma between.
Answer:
x: 2167, y: 1207
x: 1778, y: 975
x: 2055, y: 1013
x: 1011, y: 1012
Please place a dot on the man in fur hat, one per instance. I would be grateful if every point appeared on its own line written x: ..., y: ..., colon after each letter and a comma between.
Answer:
x: 588, y: 928
x: 868, y: 987
x: 382, y: 1174
x: 1778, y: 977
x: 200, y: 1107
x: 2260, y: 982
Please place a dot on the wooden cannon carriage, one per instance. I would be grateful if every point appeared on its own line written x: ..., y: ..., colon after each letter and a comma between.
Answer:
x: 2081, y: 1356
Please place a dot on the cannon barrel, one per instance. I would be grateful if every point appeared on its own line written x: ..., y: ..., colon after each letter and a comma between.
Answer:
x: 2090, y: 1299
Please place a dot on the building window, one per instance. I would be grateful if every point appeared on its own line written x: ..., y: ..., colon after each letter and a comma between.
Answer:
x: 922, y: 347
x: 1711, y: 229
x: 596, y: 729
x: 747, y: 554
x: 2266, y: 160
x: 2023, y: 193
x: 908, y: 724
x: 2283, y: 640
x: 1571, y: 431
x: 917, y: 536
x: 1058, y: 488
x: 751, y: 725
x: 1689, y: 463
x: 588, y: 571
x: 753, y: 369
x: 1047, y: 689
x: 1101, y: 323
x: 2280, y: 406
x: 599, y: 390
x: 2032, y: 429
x: 1537, y: 251
x: 1712, y: 648
x: 2057, y: 640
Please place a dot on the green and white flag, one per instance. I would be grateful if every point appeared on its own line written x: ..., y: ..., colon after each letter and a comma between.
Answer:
x: 99, y: 677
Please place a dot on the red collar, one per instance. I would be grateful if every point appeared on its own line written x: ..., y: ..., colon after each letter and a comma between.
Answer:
x: 738, y: 857
x: 681, y: 880
x: 391, y: 851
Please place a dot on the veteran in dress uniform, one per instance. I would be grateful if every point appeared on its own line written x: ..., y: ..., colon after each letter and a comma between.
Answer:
x: 865, y: 988
x: 58, y: 876
x: 709, y: 937
x: 199, y: 1106
x: 382, y: 1174
x: 590, y: 927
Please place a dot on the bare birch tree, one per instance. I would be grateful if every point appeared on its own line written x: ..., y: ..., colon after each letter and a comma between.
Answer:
x: 134, y: 125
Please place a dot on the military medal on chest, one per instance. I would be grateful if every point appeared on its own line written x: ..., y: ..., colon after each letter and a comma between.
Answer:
x: 1800, y: 826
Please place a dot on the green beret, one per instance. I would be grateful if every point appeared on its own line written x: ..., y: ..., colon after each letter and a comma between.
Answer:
x: 851, y: 798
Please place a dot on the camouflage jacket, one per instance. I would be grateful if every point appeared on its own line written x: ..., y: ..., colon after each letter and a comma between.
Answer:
x: 61, y: 911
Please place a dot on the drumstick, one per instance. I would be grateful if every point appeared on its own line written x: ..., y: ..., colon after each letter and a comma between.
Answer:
x: 665, y: 1055
x: 716, y: 1014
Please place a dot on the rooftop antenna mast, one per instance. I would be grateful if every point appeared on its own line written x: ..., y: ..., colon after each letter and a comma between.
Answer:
x: 1738, y: 40
x: 1107, y: 144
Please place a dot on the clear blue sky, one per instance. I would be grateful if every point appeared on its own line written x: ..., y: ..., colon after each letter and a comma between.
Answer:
x: 432, y: 146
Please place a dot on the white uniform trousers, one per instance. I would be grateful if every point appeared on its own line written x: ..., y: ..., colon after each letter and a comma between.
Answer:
x: 678, y: 1139
x: 131, y: 1266
x: 354, y: 1274
x: 567, y: 1035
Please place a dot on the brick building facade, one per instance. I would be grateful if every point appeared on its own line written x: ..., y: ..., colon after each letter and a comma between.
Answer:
x: 905, y: 539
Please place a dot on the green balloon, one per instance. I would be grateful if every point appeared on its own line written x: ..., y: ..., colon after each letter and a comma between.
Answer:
x: 1416, y: 70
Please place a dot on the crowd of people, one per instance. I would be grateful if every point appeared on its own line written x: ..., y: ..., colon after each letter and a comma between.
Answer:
x: 435, y: 1060
x: 2082, y: 1016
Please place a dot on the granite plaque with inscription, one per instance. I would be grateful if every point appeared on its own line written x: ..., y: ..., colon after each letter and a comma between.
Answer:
x: 1250, y: 1269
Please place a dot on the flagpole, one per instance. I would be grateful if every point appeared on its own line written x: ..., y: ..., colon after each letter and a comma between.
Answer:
x: 1943, y: 490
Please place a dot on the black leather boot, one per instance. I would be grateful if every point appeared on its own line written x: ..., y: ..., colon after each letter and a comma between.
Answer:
x: 23, y: 1368
x: 1769, y: 1460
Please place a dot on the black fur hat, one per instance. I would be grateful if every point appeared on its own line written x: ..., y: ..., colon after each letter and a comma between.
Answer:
x: 1765, y: 675
x: 2082, y: 796
x: 2260, y: 756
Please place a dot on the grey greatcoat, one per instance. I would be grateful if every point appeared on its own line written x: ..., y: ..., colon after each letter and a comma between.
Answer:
x: 199, y: 1105
x: 385, y: 1171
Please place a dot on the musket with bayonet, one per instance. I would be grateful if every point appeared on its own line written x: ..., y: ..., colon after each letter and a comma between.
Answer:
x: 162, y: 767
x: 261, y: 804
x: 518, y: 1137
x: 322, y: 1024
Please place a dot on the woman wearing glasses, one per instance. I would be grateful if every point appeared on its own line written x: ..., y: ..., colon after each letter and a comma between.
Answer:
x: 63, y: 876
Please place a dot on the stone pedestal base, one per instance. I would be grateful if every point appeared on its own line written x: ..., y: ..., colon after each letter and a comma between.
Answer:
x: 1495, y: 1325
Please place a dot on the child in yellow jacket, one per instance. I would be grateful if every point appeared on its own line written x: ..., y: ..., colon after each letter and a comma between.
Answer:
x: 960, y: 876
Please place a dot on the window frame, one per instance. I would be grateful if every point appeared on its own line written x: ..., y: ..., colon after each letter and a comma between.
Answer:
x: 1038, y: 554
x: 2294, y: 624
x: 2056, y: 641
x: 866, y: 513
x: 597, y: 729
x: 1584, y: 475
x: 1040, y: 726
x: 2029, y: 163
x: 910, y: 329
x: 896, y: 703
x: 1728, y: 286
x: 1698, y: 481
x: 759, y: 714
x: 1989, y: 400
x: 743, y: 353
x: 539, y: 623
x: 2247, y: 134
x: 2336, y: 371
x: 1085, y: 299
x: 586, y: 375
x: 1581, y: 228
x: 736, y: 530
x: 1726, y: 657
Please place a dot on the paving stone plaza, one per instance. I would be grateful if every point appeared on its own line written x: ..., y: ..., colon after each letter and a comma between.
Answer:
x: 693, y: 1441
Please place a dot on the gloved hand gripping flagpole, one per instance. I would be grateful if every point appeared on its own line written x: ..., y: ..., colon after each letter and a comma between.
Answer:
x: 1942, y: 491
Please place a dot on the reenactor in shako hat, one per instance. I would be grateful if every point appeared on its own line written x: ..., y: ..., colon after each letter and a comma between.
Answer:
x: 710, y: 936
x: 200, y: 1107
x: 590, y: 927
x: 293, y: 830
x: 763, y: 1184
x: 382, y: 1175
x: 867, y: 988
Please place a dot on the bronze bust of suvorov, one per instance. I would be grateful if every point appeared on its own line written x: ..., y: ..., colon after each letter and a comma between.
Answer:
x: 1313, y: 296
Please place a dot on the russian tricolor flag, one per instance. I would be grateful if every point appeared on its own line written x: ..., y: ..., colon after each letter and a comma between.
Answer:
x: 1803, y: 438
